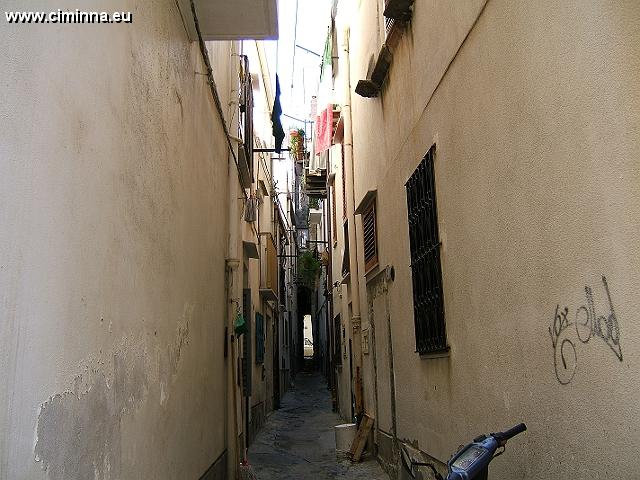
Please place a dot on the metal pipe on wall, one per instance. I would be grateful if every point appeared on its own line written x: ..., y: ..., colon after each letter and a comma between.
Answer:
x: 234, y: 281
x: 354, y: 289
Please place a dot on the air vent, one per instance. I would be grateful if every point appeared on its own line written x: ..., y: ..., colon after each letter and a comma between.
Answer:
x: 398, y: 9
x: 371, y: 86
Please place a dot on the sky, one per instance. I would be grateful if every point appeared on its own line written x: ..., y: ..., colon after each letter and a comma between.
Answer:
x: 294, y: 65
x: 299, y: 74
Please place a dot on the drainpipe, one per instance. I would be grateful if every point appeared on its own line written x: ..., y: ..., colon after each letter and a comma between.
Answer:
x: 233, y: 277
x: 354, y: 289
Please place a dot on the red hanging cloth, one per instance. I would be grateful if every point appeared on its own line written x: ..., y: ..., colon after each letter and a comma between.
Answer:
x: 324, y: 129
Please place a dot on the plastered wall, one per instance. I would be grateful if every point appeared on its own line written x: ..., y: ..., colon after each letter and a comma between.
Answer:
x: 113, y: 168
x: 535, y: 125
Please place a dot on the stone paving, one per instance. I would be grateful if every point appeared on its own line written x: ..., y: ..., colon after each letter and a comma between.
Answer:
x: 297, y: 441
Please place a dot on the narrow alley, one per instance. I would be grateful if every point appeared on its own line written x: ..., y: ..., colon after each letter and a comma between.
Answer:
x: 298, y: 442
x: 436, y: 203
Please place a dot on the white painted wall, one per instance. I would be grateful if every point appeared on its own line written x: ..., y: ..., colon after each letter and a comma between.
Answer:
x: 113, y: 172
x: 308, y: 327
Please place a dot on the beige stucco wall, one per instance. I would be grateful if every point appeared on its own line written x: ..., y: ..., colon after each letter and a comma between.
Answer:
x: 535, y: 123
x: 113, y: 170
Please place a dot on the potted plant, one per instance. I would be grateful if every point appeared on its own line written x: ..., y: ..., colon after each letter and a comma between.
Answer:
x: 296, y: 144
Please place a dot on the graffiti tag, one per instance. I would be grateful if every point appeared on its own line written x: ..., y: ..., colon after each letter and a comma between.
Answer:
x: 587, y: 325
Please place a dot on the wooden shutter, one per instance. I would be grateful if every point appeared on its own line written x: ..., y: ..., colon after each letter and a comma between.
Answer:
x: 246, y: 359
x: 370, y: 237
x: 259, y: 338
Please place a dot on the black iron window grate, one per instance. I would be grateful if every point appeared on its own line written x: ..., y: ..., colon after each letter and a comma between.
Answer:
x: 426, y: 270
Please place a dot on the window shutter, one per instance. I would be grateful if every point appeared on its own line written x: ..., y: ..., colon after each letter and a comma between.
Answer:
x: 259, y: 338
x: 246, y: 359
x: 370, y: 237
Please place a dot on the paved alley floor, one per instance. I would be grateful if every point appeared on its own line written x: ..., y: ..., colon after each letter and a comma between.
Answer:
x: 297, y: 441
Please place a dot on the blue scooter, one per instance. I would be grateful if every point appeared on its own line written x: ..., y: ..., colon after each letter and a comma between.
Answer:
x: 472, y: 461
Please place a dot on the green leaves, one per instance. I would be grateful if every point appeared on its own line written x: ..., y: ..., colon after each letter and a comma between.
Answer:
x: 308, y: 268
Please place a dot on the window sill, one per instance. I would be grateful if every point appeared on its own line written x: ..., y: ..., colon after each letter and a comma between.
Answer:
x: 445, y: 353
x: 372, y: 271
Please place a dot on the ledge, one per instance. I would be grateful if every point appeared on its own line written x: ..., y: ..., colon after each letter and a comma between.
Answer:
x: 366, y: 201
x: 436, y: 354
x: 268, y: 294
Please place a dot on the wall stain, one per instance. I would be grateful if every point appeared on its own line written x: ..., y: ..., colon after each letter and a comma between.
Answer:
x: 179, y: 97
x: 175, y: 350
x: 78, y: 436
x: 78, y: 430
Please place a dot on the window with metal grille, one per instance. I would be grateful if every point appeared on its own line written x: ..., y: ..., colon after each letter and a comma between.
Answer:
x: 426, y: 270
x: 370, y: 237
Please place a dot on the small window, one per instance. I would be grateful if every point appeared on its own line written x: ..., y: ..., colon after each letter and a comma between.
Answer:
x: 426, y: 270
x: 259, y: 338
x: 246, y: 344
x: 334, y: 220
x: 346, y: 267
x: 285, y: 329
x: 370, y: 237
x: 344, y: 184
x: 337, y: 340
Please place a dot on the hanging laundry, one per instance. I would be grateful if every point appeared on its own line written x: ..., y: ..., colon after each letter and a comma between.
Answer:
x: 250, y: 209
x: 324, y: 130
x: 278, y: 131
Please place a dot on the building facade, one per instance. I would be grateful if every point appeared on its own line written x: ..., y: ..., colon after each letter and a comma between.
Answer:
x: 140, y: 225
x: 492, y: 170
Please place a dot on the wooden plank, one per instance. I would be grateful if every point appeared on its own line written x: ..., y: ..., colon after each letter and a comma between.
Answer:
x: 358, y: 392
x: 360, y: 440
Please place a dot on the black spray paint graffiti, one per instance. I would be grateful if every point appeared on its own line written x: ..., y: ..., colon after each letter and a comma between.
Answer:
x: 587, y: 325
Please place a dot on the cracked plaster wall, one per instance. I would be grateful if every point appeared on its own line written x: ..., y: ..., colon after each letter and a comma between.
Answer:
x: 112, y: 176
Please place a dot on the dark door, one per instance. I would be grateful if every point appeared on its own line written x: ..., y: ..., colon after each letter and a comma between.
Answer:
x: 246, y: 362
x: 276, y: 363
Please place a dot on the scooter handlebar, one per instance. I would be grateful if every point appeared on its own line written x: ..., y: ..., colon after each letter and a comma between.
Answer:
x: 512, y: 432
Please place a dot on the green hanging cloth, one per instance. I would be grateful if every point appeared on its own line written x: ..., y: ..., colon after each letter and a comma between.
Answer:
x: 327, y: 56
x: 239, y: 325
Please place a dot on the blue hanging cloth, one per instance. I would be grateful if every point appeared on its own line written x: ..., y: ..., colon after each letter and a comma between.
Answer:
x: 278, y: 131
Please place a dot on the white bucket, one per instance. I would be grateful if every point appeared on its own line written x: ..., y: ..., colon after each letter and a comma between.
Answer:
x: 345, y: 434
